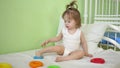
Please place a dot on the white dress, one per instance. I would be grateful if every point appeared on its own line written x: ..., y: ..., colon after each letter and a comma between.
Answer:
x: 71, y: 42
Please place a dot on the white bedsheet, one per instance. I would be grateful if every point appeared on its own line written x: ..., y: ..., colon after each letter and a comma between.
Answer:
x: 22, y: 59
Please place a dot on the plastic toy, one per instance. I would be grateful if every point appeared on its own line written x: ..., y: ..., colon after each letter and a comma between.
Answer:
x: 38, y: 57
x: 35, y: 64
x: 5, y: 65
x: 53, y: 66
x: 98, y: 60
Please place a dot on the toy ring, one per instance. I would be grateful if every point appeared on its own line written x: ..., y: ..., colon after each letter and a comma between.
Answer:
x: 38, y: 57
x: 5, y: 65
x: 35, y: 64
x: 98, y: 60
x: 53, y: 66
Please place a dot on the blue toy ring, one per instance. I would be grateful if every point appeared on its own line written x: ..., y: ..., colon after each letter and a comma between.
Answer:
x: 38, y: 57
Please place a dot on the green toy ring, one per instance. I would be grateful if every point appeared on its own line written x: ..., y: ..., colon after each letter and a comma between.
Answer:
x: 5, y: 65
x: 53, y: 66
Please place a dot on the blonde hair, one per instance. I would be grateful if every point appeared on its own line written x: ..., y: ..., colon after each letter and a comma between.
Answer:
x: 72, y: 12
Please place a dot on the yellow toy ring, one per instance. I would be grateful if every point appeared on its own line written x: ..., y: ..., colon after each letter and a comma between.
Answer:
x: 5, y: 65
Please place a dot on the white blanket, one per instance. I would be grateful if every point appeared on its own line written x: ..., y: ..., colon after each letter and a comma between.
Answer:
x: 22, y: 59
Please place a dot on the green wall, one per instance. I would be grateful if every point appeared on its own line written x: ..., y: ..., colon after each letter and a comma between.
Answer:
x: 24, y: 24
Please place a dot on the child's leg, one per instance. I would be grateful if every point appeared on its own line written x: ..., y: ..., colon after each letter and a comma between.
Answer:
x: 58, y: 49
x: 73, y: 56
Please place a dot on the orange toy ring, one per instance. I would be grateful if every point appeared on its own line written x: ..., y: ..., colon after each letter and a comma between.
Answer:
x: 35, y: 64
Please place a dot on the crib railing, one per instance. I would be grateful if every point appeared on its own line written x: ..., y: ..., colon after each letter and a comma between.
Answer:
x: 103, y: 11
x: 111, y: 38
x: 107, y: 11
x: 107, y: 8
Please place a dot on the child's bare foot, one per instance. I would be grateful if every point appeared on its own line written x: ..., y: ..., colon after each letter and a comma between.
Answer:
x: 58, y: 59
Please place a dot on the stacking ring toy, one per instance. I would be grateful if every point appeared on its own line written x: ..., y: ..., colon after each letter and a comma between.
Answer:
x: 53, y: 66
x: 38, y: 57
x: 98, y: 60
x: 5, y: 65
x: 35, y: 64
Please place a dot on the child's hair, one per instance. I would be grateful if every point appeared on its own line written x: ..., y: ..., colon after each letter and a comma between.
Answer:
x: 72, y: 12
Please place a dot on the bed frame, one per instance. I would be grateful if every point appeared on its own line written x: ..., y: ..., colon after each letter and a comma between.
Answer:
x: 104, y: 11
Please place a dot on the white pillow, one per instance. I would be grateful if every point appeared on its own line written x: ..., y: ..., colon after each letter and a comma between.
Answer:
x: 94, y: 34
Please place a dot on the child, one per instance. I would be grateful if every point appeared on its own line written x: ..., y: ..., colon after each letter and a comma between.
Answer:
x: 71, y: 35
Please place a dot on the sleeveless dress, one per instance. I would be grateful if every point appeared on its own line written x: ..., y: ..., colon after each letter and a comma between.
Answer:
x: 71, y: 42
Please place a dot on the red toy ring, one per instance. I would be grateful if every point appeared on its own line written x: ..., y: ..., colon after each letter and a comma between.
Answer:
x: 35, y: 64
x: 98, y: 60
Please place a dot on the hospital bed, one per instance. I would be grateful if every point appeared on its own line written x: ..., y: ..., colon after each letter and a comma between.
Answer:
x: 22, y: 60
x: 111, y: 57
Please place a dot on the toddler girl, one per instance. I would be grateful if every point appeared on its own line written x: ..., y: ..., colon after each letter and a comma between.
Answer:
x: 74, y: 45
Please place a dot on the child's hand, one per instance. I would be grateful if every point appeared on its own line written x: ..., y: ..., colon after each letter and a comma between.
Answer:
x: 44, y: 43
x: 89, y: 55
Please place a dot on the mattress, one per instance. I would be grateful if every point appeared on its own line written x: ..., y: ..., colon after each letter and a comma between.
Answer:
x: 22, y: 60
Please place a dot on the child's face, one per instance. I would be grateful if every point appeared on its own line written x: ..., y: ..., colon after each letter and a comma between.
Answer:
x: 69, y: 22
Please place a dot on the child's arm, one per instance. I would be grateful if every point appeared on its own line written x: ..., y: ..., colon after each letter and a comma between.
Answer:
x: 84, y: 45
x: 55, y: 39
